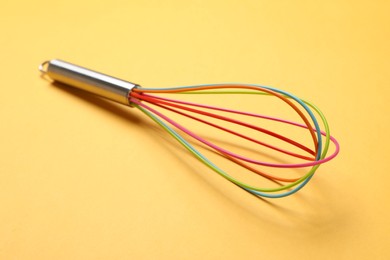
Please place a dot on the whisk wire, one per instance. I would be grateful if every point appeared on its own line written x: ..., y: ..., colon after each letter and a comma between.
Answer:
x: 292, y: 187
x: 263, y: 192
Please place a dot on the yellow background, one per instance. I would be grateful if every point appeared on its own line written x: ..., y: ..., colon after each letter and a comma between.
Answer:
x: 81, y: 178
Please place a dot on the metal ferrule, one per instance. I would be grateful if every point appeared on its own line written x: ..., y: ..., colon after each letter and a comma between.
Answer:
x: 100, y: 84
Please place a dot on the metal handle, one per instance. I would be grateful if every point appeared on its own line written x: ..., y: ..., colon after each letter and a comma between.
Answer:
x: 100, y: 84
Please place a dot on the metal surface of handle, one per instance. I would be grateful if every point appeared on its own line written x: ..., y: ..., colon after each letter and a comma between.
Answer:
x: 98, y: 83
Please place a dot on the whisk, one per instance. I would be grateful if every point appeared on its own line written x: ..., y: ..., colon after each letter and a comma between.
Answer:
x: 216, y: 117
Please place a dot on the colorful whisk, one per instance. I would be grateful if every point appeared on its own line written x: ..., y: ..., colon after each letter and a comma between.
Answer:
x: 216, y: 117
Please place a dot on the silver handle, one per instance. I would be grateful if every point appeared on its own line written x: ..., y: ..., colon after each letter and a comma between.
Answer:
x: 98, y: 83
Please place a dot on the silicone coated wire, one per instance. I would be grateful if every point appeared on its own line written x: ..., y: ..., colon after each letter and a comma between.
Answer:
x: 257, y: 191
x: 303, y: 180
